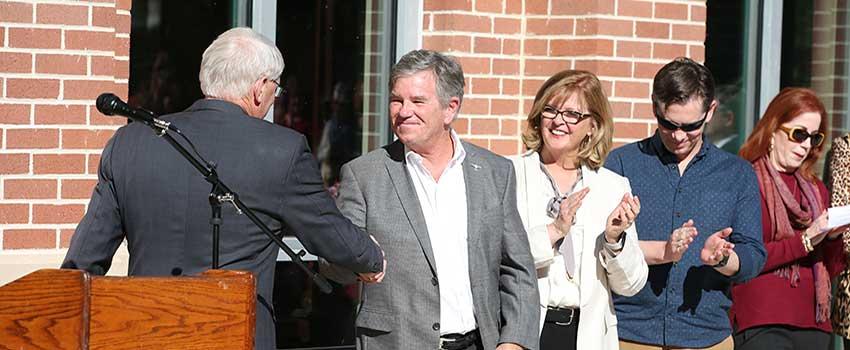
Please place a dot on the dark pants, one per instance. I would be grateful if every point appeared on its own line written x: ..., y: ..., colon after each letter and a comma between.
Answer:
x: 781, y: 338
x: 559, y: 331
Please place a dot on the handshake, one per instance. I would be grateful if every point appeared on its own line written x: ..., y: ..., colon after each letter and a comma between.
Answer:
x: 374, y: 277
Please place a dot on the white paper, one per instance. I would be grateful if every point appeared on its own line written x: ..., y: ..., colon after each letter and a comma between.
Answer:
x: 838, y: 216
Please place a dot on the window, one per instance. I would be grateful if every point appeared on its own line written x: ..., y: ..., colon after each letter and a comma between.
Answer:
x: 755, y: 48
x: 814, y: 55
x: 166, y: 47
x: 338, y: 57
x: 337, y: 54
x: 727, y: 58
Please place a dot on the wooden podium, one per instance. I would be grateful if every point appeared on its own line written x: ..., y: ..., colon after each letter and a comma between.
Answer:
x: 68, y: 309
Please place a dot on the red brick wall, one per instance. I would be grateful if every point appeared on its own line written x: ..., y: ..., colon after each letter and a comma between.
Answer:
x: 509, y: 47
x: 55, y: 58
x: 830, y: 61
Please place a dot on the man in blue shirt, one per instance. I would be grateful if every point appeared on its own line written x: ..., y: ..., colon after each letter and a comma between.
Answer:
x: 692, y: 195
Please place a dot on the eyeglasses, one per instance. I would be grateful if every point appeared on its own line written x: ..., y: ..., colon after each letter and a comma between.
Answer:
x: 799, y: 134
x: 278, y: 90
x: 666, y: 124
x: 569, y: 116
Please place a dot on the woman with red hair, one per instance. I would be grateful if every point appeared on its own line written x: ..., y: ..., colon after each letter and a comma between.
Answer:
x: 787, y: 306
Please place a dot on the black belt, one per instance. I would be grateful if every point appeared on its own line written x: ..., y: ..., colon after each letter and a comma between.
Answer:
x: 457, y: 341
x: 562, y: 316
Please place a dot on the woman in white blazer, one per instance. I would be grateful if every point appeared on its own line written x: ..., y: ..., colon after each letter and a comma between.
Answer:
x: 578, y: 215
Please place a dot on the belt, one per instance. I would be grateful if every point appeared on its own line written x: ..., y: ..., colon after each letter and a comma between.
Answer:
x: 457, y: 341
x: 562, y: 316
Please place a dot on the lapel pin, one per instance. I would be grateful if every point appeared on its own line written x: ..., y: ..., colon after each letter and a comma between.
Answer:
x: 475, y: 166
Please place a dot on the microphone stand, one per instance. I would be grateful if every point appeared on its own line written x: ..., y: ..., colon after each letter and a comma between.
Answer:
x: 220, y: 194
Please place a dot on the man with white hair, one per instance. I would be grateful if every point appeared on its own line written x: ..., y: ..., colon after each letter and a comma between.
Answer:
x: 148, y: 194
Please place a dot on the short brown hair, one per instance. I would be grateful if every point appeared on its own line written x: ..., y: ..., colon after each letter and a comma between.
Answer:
x: 560, y: 87
x: 679, y: 82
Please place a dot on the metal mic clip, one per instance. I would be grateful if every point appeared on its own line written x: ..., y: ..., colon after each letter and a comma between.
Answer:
x: 157, y: 123
x: 229, y: 197
x: 161, y: 125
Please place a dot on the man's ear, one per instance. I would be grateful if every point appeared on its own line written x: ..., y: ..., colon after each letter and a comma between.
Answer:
x: 257, y: 92
x: 451, y: 110
x: 711, y: 109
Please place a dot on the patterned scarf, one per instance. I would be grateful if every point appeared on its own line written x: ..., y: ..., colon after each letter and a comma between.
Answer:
x: 787, y: 215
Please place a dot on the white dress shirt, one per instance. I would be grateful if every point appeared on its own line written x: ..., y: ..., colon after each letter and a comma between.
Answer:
x: 564, y: 287
x: 444, y: 208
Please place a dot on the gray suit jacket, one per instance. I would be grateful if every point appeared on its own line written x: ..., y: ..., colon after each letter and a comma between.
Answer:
x: 403, y: 312
x: 148, y: 194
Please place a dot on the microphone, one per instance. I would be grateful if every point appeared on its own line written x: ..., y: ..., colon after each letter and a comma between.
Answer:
x: 109, y: 104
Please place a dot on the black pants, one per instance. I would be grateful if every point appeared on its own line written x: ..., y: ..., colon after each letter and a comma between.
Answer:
x: 781, y: 338
x: 559, y: 335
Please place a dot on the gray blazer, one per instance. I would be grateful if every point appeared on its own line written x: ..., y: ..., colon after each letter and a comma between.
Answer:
x: 148, y: 194
x: 403, y: 312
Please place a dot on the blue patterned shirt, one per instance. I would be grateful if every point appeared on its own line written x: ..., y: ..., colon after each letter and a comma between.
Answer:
x: 685, y: 304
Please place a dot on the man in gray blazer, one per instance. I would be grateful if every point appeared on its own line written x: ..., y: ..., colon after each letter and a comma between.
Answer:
x: 460, y: 274
x: 148, y: 194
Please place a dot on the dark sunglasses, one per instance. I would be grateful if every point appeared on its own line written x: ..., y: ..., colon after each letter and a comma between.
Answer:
x: 666, y: 124
x: 799, y: 134
x: 569, y: 116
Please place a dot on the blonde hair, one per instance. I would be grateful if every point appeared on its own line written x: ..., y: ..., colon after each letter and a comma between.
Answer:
x: 559, y: 87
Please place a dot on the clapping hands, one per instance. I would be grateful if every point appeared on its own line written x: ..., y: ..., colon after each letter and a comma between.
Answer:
x: 716, y: 247
x: 622, y: 217
x: 680, y: 240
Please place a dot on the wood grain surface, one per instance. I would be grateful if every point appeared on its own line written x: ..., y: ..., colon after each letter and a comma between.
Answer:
x: 46, y: 309
x: 211, y: 311
x: 66, y: 309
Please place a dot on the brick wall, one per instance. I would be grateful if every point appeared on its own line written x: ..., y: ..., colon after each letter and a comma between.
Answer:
x: 829, y: 60
x: 509, y: 47
x: 55, y: 58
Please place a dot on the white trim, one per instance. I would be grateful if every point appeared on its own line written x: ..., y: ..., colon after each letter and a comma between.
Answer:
x: 750, y: 71
x: 241, y: 7
x: 15, y: 264
x: 296, y: 247
x: 408, y: 26
x: 771, y: 53
x: 264, y: 21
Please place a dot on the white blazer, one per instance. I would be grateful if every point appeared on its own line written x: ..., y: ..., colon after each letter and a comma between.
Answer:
x: 624, y: 274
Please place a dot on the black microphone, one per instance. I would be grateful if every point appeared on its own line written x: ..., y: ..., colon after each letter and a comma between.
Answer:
x: 109, y: 104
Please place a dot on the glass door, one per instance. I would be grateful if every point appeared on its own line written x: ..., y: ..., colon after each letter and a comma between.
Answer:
x: 338, y: 54
x: 166, y: 46
x: 730, y: 61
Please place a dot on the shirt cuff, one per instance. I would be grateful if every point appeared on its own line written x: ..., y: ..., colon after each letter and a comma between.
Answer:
x: 541, y: 247
x: 612, y: 249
